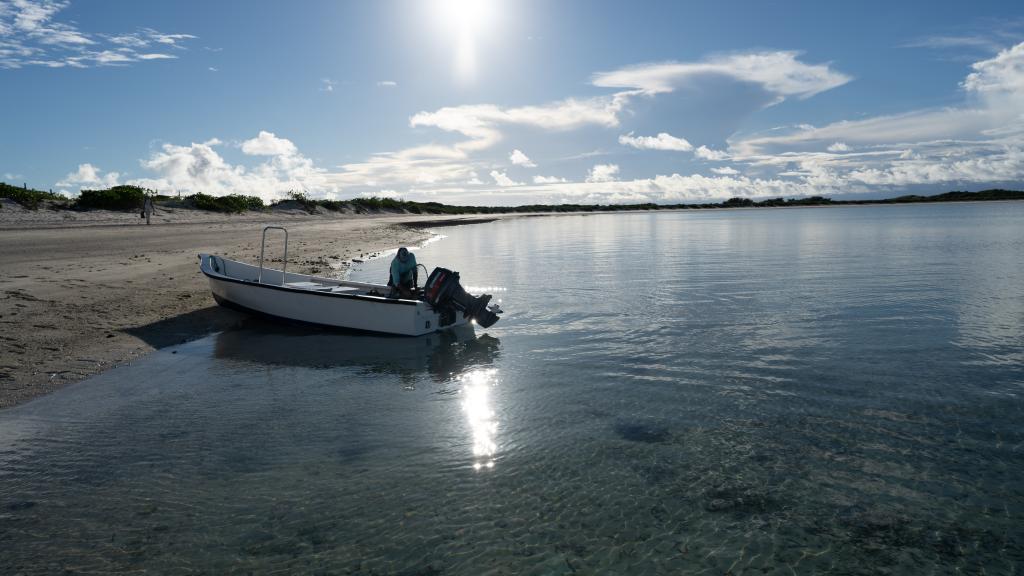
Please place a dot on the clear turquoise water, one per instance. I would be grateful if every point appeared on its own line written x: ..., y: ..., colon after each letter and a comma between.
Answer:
x: 752, y: 391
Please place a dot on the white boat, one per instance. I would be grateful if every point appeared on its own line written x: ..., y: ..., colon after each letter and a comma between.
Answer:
x: 341, y: 303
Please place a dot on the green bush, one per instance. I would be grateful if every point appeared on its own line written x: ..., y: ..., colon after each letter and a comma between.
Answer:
x: 27, y: 197
x: 116, y: 198
x: 233, y: 203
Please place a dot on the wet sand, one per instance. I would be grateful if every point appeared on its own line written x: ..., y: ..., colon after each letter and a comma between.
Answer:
x: 79, y: 297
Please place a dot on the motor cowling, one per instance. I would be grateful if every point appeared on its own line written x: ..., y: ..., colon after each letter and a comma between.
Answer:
x: 443, y: 290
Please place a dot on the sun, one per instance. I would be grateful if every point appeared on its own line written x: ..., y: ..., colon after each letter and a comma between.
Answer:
x: 466, y: 22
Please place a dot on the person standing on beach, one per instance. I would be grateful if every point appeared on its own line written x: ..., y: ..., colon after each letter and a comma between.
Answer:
x: 148, y: 208
x: 403, y: 277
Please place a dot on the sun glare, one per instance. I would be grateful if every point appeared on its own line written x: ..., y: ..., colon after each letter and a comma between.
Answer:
x: 465, y: 22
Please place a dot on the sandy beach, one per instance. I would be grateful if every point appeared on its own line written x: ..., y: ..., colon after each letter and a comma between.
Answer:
x: 83, y: 292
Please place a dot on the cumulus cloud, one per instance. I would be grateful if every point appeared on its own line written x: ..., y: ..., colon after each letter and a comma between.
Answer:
x: 838, y: 147
x: 1001, y: 166
x: 603, y: 173
x: 705, y: 153
x: 547, y: 179
x: 519, y: 159
x: 502, y: 179
x: 1003, y: 74
x: 327, y: 85
x: 780, y: 73
x: 268, y: 144
x: 89, y: 176
x: 30, y: 35
x: 198, y: 167
x: 663, y: 141
x: 725, y: 171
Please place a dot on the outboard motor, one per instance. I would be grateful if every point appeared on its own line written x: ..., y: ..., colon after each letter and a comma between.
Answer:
x: 443, y: 290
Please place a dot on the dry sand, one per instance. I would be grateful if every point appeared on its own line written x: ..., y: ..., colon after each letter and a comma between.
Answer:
x: 79, y: 296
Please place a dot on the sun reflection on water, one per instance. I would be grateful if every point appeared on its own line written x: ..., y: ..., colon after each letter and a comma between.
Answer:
x: 476, y: 404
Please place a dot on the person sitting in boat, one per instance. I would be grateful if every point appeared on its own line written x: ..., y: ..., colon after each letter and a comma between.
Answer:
x: 404, y: 276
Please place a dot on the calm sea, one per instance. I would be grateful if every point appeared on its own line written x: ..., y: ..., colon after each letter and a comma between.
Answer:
x: 832, y: 390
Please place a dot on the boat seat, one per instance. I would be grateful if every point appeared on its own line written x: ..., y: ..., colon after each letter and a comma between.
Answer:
x: 308, y: 285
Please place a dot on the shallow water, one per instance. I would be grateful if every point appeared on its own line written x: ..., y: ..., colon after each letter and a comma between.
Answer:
x: 751, y: 391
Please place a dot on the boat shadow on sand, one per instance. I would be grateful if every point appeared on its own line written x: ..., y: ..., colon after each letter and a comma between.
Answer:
x: 441, y: 354
x: 189, y: 326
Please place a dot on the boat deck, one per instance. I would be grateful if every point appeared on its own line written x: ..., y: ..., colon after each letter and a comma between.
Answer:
x: 320, y: 287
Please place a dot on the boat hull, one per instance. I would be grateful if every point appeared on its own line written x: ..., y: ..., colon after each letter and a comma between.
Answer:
x: 348, y: 309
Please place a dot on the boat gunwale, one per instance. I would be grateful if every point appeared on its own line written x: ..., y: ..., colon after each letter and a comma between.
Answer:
x: 362, y: 297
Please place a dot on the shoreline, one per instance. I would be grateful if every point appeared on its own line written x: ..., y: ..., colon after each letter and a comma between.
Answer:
x: 79, y: 300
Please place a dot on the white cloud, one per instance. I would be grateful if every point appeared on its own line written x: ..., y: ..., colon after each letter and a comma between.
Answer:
x: 384, y: 193
x: 663, y: 141
x: 502, y: 179
x: 1002, y: 166
x: 387, y: 83
x: 169, y: 39
x: 420, y: 164
x: 672, y: 188
x: 519, y: 159
x: 980, y: 141
x: 940, y: 42
x: 977, y: 142
x: 129, y: 40
x: 111, y: 57
x: 198, y: 167
x: 87, y: 176
x: 1003, y: 74
x: 268, y: 144
x: 779, y: 73
x: 603, y: 173
x: 706, y: 153
x: 916, y: 126
x: 327, y: 85
x: 212, y: 69
x: 30, y: 36
x: 479, y: 122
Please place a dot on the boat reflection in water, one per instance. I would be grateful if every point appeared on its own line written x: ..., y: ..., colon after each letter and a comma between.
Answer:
x: 443, y: 355
x: 456, y: 356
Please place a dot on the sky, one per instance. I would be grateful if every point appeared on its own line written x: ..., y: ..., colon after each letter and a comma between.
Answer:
x: 508, y: 102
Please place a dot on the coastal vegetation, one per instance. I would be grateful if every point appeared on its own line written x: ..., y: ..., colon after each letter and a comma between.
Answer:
x: 128, y: 198
x: 28, y: 197
x: 232, y: 203
x: 116, y: 198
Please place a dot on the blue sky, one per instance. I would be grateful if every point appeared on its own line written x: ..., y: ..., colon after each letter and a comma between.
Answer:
x: 510, y: 102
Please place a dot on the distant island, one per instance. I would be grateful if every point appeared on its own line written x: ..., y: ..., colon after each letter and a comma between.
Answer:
x: 130, y: 198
